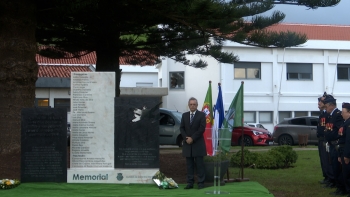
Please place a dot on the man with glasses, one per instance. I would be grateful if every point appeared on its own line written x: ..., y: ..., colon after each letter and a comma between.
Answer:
x: 192, y: 129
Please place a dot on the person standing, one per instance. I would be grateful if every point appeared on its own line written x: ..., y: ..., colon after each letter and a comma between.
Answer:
x: 344, y: 148
x: 333, y: 124
x: 192, y: 129
x: 325, y: 165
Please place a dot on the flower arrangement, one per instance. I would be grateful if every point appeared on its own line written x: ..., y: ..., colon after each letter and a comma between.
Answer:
x: 164, y: 182
x: 8, y: 183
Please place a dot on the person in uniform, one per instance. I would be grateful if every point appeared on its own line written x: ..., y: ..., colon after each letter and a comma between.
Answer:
x: 344, y: 148
x: 333, y: 124
x: 192, y: 128
x: 325, y: 165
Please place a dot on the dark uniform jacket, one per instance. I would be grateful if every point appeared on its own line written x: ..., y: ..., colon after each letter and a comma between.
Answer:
x: 344, y: 139
x: 333, y: 124
x: 321, y: 124
x: 195, y: 131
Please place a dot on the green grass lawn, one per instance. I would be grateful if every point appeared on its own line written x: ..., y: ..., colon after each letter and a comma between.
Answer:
x: 300, y: 180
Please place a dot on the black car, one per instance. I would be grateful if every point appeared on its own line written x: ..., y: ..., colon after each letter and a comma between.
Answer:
x: 289, y: 131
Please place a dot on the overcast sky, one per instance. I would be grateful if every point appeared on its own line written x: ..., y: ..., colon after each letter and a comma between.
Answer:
x: 339, y: 14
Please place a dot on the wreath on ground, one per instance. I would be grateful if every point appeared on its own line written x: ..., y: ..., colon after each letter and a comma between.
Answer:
x: 8, y: 183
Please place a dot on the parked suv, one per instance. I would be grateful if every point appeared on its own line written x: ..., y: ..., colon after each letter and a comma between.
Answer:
x: 289, y: 130
x: 252, y: 136
x: 169, y: 127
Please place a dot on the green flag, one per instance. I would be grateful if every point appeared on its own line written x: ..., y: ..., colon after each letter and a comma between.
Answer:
x: 233, y: 118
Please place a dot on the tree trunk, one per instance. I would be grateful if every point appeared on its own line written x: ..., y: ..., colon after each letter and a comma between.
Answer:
x: 108, y: 60
x: 18, y: 74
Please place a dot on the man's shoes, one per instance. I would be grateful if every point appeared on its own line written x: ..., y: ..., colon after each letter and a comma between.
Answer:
x: 329, y: 185
x: 324, y: 181
x: 200, y: 186
x: 338, y: 192
x: 188, y: 186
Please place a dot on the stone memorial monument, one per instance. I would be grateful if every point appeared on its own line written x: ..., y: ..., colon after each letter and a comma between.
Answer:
x: 44, y: 145
x: 95, y: 140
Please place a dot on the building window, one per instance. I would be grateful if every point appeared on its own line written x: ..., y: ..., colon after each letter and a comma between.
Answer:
x: 41, y: 102
x: 63, y: 103
x: 343, y: 72
x: 300, y: 113
x: 315, y: 113
x: 247, y: 70
x: 284, y: 114
x: 299, y: 71
x: 144, y: 84
x: 249, y: 116
x: 265, y: 117
x: 177, y: 80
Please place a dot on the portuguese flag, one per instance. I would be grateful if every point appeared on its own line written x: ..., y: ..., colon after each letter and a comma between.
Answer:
x: 207, y: 109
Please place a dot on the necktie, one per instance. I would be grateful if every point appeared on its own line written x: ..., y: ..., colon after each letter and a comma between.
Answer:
x: 191, y: 119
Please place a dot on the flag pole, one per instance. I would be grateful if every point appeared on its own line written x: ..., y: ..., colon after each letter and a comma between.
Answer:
x: 242, y: 146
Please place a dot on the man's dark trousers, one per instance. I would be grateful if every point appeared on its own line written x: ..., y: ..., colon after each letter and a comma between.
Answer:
x: 199, y: 162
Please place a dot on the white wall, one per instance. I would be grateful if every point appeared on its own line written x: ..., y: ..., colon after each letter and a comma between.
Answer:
x: 132, y: 75
x: 196, y: 82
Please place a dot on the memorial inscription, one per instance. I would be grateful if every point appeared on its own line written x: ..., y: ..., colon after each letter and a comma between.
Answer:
x: 137, y: 140
x: 89, y: 147
x: 44, y: 145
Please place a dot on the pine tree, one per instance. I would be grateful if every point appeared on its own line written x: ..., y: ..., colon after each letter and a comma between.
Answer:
x: 114, y: 28
x: 171, y: 28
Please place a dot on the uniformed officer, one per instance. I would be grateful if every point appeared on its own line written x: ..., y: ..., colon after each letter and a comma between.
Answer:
x: 344, y: 148
x: 333, y: 124
x: 324, y: 160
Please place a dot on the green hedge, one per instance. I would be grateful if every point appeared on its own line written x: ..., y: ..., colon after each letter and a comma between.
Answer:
x: 278, y: 157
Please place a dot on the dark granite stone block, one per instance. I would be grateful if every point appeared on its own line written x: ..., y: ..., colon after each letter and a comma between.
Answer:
x: 44, y: 145
x: 137, y: 132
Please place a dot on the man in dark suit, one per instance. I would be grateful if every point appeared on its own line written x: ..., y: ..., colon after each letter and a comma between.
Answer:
x: 192, y: 129
x: 324, y: 160
x: 333, y: 124
x: 343, y: 149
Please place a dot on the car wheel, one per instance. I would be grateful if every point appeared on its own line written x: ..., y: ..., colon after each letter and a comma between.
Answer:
x: 285, y: 140
x: 247, y: 141
x: 179, y: 140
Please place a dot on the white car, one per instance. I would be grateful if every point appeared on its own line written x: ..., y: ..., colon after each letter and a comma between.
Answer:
x: 258, y: 125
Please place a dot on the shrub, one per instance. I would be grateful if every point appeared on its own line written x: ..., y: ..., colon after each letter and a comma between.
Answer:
x: 289, y: 155
x: 269, y: 160
x: 279, y: 157
x: 249, y: 158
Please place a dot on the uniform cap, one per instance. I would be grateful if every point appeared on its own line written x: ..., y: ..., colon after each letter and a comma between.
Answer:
x: 346, y: 105
x: 329, y: 99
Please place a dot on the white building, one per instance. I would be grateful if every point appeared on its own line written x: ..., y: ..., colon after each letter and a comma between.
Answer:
x: 278, y: 83
x: 53, y: 84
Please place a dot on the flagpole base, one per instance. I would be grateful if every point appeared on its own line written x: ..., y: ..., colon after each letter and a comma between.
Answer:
x: 229, y: 180
x: 241, y: 180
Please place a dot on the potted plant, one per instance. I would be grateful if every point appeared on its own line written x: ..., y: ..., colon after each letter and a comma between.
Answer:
x: 210, y: 162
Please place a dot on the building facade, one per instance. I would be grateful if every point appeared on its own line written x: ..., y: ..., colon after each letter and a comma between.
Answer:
x: 278, y: 83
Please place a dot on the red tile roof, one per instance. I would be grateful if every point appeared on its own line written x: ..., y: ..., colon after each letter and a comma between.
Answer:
x: 54, y: 67
x: 60, y: 71
x: 316, y: 32
x: 90, y: 58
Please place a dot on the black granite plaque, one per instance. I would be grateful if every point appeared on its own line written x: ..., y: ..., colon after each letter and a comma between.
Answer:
x: 44, y: 145
x: 137, y: 132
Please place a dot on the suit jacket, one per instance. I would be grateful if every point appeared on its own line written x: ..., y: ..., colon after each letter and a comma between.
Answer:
x: 195, y: 131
